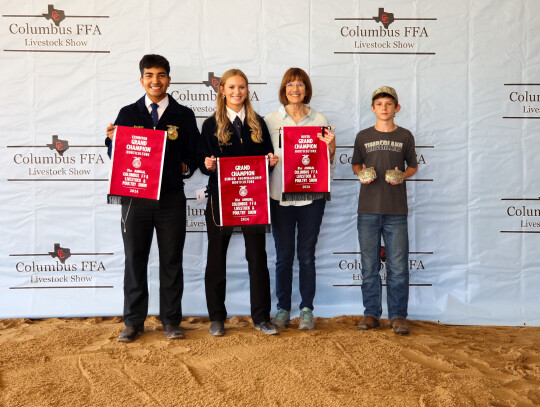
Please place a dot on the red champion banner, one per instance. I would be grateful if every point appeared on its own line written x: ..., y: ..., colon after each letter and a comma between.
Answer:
x: 243, y: 190
x: 306, y: 164
x: 136, y: 163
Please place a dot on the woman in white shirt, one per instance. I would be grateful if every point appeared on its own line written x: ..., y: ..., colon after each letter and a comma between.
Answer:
x: 295, y: 217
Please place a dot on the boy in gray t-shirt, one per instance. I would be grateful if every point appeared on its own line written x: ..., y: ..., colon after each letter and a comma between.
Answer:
x: 382, y: 211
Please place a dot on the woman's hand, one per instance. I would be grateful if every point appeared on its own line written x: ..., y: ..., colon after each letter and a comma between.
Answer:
x: 330, y: 140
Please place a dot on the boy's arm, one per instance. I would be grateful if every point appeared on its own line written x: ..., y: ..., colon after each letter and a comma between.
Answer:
x: 409, y: 172
x: 110, y: 130
x: 356, y: 168
x: 189, y: 150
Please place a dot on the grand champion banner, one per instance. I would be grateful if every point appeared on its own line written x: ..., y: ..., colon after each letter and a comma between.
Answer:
x: 136, y: 163
x: 306, y: 164
x: 243, y: 191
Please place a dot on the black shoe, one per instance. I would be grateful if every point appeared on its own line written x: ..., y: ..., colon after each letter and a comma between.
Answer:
x: 130, y: 333
x: 173, y: 331
x: 217, y: 328
x: 267, y: 328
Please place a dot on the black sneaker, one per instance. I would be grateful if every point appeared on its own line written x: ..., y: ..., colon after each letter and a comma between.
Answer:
x: 267, y: 328
x: 130, y: 333
x: 173, y: 331
x: 217, y: 328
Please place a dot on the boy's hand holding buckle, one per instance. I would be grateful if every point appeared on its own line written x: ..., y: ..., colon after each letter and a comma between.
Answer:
x: 394, y: 177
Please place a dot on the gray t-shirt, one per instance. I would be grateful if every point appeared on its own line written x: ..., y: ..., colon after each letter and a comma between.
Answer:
x: 384, y: 151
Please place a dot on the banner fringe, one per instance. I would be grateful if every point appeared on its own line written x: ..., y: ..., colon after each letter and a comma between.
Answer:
x: 305, y: 196
x: 249, y: 229
x: 137, y: 202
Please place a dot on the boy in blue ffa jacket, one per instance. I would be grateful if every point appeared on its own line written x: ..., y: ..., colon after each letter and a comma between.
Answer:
x: 157, y: 110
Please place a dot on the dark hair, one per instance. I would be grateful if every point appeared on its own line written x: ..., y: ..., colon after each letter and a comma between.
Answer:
x: 383, y: 95
x: 289, y: 76
x: 152, y: 61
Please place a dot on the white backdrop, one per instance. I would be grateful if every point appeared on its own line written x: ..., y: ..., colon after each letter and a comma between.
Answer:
x: 467, y: 76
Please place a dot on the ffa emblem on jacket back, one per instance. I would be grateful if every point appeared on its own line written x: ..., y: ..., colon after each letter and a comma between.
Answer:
x: 172, y: 132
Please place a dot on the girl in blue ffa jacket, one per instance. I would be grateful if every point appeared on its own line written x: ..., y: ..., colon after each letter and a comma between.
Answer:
x: 235, y: 130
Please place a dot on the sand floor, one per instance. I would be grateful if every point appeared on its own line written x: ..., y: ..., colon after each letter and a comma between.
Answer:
x: 78, y: 362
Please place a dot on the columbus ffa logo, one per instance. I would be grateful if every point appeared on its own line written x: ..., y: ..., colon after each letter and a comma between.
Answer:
x: 35, y: 163
x: 524, y: 101
x: 53, y: 31
x: 384, y: 17
x: 172, y: 132
x: 201, y: 96
x: 243, y: 190
x: 59, y: 145
x: 213, y: 81
x: 41, y: 274
x: 378, y: 35
x: 57, y: 16
x: 305, y: 159
x: 62, y: 253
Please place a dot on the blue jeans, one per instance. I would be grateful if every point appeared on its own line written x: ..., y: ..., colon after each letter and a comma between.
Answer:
x: 285, y: 221
x: 393, y: 229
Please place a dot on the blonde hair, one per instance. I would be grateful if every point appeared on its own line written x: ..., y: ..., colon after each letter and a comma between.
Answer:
x: 222, y: 121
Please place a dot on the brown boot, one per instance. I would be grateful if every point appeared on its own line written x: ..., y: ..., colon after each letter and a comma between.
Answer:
x: 399, y: 325
x: 368, y: 323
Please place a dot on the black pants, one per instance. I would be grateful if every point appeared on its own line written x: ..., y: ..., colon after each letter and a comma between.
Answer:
x: 215, y: 277
x: 169, y: 222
